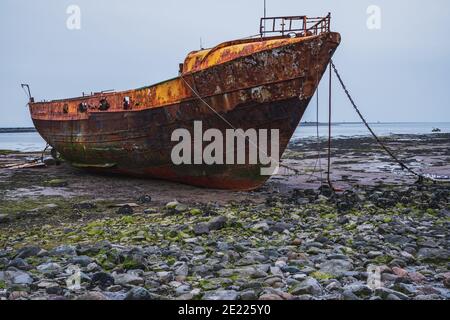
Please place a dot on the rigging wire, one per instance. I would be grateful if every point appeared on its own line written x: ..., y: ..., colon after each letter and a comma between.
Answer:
x: 319, y: 153
x: 318, y: 142
x: 330, y: 183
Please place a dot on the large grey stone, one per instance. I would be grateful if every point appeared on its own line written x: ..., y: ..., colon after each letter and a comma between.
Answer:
x: 28, y: 252
x: 165, y: 276
x: 280, y: 227
x: 128, y: 279
x: 361, y: 290
x: 92, y: 296
x: 217, y: 223
x: 336, y: 267
x: 433, y: 255
x: 138, y: 294
x: 201, y: 229
x: 389, y: 294
x: 16, y: 277
x: 308, y: 286
x: 181, y: 269
x: 4, y: 218
x: 19, y: 263
x: 221, y: 295
x: 82, y: 261
x: 64, y: 250
x: 50, y: 267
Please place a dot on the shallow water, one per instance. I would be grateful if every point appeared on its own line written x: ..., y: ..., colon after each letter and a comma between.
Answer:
x: 381, y: 129
x: 24, y: 142
x: 31, y: 141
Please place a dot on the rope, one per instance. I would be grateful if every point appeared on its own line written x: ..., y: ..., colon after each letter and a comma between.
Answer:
x: 206, y: 103
x: 386, y: 148
x: 229, y: 123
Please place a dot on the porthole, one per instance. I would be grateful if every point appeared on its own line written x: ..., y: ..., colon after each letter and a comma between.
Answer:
x: 126, y: 103
x: 104, y: 105
x: 83, y: 107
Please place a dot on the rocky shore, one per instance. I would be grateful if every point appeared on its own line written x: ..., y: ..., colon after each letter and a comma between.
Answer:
x: 65, y: 234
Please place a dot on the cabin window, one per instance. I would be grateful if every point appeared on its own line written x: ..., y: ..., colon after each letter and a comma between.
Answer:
x: 126, y: 103
x: 66, y: 108
x: 104, y: 105
x: 83, y: 107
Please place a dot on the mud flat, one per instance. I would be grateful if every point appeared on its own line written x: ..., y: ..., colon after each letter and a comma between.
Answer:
x: 142, y: 239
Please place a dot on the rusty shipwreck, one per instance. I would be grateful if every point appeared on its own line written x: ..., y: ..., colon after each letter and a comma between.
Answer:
x: 263, y: 82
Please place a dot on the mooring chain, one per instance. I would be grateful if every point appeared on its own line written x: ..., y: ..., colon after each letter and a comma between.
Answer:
x: 352, y: 101
x: 389, y: 151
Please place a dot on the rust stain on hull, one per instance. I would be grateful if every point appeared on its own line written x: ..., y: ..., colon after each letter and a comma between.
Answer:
x: 253, y: 84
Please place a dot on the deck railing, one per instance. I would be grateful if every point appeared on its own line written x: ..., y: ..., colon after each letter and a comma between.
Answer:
x: 295, y: 25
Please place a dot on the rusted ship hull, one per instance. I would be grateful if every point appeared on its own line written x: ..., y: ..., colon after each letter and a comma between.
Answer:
x: 146, y: 151
x: 252, y: 85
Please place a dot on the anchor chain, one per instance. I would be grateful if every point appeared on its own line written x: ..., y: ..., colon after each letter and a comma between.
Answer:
x: 386, y: 148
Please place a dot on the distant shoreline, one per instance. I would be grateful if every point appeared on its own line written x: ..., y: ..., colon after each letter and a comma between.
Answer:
x: 17, y: 130
x: 321, y: 124
x: 306, y: 124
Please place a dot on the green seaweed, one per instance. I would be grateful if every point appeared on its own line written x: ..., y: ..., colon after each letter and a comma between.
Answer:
x: 321, y: 275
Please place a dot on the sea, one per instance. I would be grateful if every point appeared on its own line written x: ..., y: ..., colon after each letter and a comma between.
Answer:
x: 32, y: 141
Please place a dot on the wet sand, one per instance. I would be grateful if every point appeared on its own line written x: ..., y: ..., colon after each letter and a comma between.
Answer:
x: 287, y: 240
x: 355, y: 161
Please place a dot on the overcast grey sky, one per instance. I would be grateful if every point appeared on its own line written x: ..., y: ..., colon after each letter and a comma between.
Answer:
x: 398, y: 73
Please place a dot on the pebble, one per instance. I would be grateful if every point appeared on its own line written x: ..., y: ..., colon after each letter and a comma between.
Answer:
x: 217, y: 223
x: 82, y: 261
x: 128, y: 279
x: 222, y: 295
x: 165, y: 276
x: 49, y: 267
x: 308, y: 286
x: 19, y: 277
x: 447, y: 280
x: 270, y: 297
x: 138, y: 294
x: 125, y: 210
x: 18, y: 295
x: 4, y: 218
x: 433, y: 255
x: 64, y: 250
x: 144, y: 199
x: 416, y: 277
x: 181, y: 269
x: 336, y: 267
x: 102, y: 279
x: 359, y: 289
x: 400, y: 272
x: 389, y: 294
x: 85, y: 206
x: 244, y: 251
x: 92, y: 296
x: 19, y: 263
x: 28, y: 252
x: 201, y: 229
